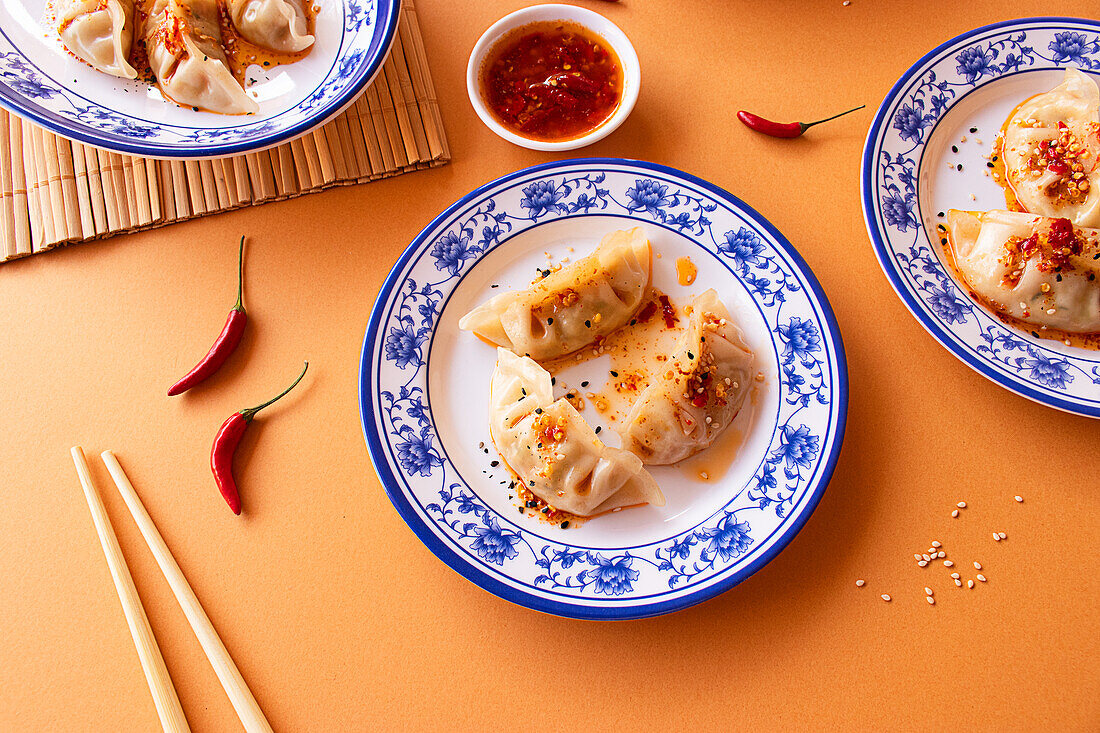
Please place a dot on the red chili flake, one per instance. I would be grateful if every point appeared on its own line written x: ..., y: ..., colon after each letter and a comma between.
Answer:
x: 668, y: 312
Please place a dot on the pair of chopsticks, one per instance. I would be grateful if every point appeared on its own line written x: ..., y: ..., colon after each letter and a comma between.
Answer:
x: 152, y: 663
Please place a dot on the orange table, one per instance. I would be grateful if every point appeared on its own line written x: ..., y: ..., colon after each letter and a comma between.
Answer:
x: 336, y: 614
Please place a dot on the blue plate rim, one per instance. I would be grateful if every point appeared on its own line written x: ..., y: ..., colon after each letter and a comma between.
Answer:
x: 934, y: 329
x: 576, y: 610
x: 388, y: 10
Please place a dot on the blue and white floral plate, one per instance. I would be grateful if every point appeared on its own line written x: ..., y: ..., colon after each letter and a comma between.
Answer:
x: 911, y: 172
x: 424, y: 391
x: 40, y: 82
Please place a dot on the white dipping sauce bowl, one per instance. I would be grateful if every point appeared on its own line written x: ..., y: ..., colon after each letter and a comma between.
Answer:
x: 594, y: 22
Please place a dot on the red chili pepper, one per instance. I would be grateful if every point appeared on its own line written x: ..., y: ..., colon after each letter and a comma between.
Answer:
x: 784, y: 129
x: 226, y: 342
x: 225, y: 446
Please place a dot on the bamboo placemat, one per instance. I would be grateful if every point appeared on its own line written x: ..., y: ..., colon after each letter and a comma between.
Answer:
x: 54, y: 191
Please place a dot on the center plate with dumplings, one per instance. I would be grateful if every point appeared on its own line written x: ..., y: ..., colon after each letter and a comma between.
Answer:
x: 603, y: 388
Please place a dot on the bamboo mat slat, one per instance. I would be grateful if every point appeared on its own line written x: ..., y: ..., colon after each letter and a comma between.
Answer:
x: 54, y: 191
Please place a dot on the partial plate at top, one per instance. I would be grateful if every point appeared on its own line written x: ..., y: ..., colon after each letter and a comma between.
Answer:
x: 41, y: 82
x: 424, y: 391
x: 922, y: 158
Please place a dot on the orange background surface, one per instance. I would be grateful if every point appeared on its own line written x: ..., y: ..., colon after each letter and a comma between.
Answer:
x: 340, y: 619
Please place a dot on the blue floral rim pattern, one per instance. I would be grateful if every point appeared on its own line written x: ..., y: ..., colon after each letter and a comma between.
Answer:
x: 368, y: 30
x: 892, y: 159
x: 514, y: 561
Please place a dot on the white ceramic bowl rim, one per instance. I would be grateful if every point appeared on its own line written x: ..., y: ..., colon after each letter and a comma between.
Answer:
x: 590, y: 19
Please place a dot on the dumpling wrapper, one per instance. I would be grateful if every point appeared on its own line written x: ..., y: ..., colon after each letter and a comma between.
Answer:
x: 572, y: 307
x: 1039, y: 188
x: 184, y: 42
x: 278, y: 25
x: 986, y: 248
x: 668, y: 422
x: 99, y: 32
x: 554, y: 451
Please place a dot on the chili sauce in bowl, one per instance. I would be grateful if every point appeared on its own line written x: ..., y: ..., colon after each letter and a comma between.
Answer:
x: 552, y: 80
x: 553, y: 77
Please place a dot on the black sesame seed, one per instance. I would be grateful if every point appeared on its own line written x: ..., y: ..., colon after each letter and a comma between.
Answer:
x: 585, y: 383
x: 1035, y: 334
x: 520, y: 509
x: 545, y: 510
x: 565, y: 525
x: 549, y: 321
x: 988, y: 165
x: 553, y: 381
x: 973, y: 129
x: 614, y: 373
x: 598, y: 429
x: 940, y: 215
x: 494, y: 286
x: 943, y: 240
x: 959, y: 167
x: 1058, y: 277
x: 532, y: 503
x: 954, y: 149
x: 588, y: 324
x: 691, y: 355
x: 494, y: 464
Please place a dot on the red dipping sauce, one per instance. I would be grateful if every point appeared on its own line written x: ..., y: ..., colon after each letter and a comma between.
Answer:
x: 552, y: 81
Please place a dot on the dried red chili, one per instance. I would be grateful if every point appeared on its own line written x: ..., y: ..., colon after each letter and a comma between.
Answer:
x: 226, y: 442
x: 784, y: 129
x: 226, y: 342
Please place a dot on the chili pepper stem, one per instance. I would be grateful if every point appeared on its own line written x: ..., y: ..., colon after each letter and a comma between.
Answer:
x: 251, y: 411
x: 239, y: 306
x: 807, y: 125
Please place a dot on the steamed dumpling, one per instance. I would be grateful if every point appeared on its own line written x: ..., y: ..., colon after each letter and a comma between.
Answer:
x: 1050, y: 151
x: 572, y: 307
x: 184, y: 42
x: 1036, y: 269
x: 700, y: 392
x: 279, y: 25
x: 100, y: 32
x: 551, y: 448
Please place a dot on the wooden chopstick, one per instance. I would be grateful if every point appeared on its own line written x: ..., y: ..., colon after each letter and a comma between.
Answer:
x: 243, y: 702
x: 152, y: 663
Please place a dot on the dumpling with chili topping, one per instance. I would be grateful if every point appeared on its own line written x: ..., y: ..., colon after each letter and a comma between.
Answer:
x: 699, y: 394
x: 572, y: 307
x: 554, y: 451
x: 1036, y: 269
x: 1050, y: 148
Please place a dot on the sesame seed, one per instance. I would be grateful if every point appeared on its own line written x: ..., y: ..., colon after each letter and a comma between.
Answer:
x: 916, y: 556
x: 980, y: 577
x: 931, y: 600
x: 941, y: 553
x: 961, y: 505
x: 936, y: 544
x: 1003, y: 536
x: 860, y: 583
x: 955, y: 513
x: 885, y: 597
x: 927, y: 591
x: 977, y: 565
x: 704, y: 475
x: 970, y: 584
x: 955, y: 575
x: 1019, y: 498
x: 926, y: 558
x: 922, y: 563
x: 958, y: 583
x: 996, y: 537
x: 948, y: 564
